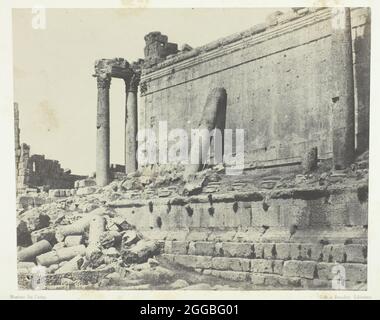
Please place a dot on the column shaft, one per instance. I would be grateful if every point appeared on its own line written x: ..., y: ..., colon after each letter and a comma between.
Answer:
x: 103, y: 132
x: 131, y: 125
x: 343, y: 113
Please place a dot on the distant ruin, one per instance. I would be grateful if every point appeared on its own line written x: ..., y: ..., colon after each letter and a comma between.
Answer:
x: 34, y: 172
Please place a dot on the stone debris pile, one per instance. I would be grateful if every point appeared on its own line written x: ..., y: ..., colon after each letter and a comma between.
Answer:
x: 69, y: 241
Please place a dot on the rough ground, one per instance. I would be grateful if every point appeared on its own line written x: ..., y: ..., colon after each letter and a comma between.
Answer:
x: 83, y: 243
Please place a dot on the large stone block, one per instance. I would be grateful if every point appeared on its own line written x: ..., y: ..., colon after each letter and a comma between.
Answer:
x: 202, y: 248
x: 235, y: 264
x: 316, y: 284
x: 250, y: 235
x: 273, y: 280
x: 85, y: 191
x: 302, y: 269
x: 266, y: 266
x: 44, y: 234
x: 269, y: 216
x: 231, y: 275
x: 269, y: 250
x: 356, y: 253
x: 222, y: 236
x: 236, y: 249
x: 176, y: 247
x: 355, y: 272
x: 35, y: 220
x: 304, y: 251
x: 283, y: 251
x: 325, y: 270
x: 177, y: 235
x: 198, y: 235
x: 333, y: 253
x: 202, y: 262
x: 85, y: 183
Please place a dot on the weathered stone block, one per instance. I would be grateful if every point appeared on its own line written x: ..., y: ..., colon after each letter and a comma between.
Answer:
x: 257, y: 279
x: 44, y: 234
x: 325, y: 270
x: 71, y: 241
x: 266, y: 266
x: 283, y: 251
x: 356, y: 272
x: 198, y: 235
x: 316, y: 284
x: 333, y: 253
x: 202, y: 248
x: 302, y: 269
x: 356, y: 253
x: 275, y: 235
x: 269, y: 216
x: 273, y: 280
x: 203, y: 262
x: 176, y: 247
x: 86, y: 183
x: 251, y: 235
x: 85, y: 191
x: 222, y: 236
x: 236, y: 249
x: 301, y: 251
x: 35, y: 220
x: 177, y: 235
x: 269, y: 250
x: 231, y: 275
x: 235, y: 264
x: 140, y: 252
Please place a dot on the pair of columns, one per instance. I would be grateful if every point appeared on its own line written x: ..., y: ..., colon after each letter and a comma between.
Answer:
x: 105, y: 70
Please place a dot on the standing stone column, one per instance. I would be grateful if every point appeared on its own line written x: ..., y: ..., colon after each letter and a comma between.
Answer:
x: 343, y: 113
x: 131, y: 87
x: 103, y: 130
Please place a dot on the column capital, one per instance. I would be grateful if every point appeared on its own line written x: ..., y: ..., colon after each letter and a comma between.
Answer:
x: 103, y: 81
x: 132, y: 82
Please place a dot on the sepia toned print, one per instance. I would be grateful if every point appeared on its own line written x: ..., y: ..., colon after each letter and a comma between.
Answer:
x: 244, y: 163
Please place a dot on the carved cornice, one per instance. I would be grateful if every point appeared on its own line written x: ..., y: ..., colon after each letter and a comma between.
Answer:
x: 106, y: 69
x: 235, y: 42
x: 116, y: 68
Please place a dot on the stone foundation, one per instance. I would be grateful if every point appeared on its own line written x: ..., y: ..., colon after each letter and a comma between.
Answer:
x: 284, y: 238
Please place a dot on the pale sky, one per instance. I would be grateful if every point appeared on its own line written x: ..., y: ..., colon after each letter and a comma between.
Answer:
x: 53, y: 69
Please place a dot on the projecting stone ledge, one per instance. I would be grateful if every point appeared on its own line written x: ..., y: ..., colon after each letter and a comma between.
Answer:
x: 160, y: 54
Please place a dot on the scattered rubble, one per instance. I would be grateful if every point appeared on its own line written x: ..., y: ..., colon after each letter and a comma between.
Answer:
x: 81, y: 241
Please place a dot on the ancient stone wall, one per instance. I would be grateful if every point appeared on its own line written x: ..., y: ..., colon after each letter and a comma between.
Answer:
x: 235, y: 236
x: 279, y: 83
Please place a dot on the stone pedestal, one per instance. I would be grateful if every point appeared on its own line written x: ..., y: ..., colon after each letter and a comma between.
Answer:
x: 343, y: 109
